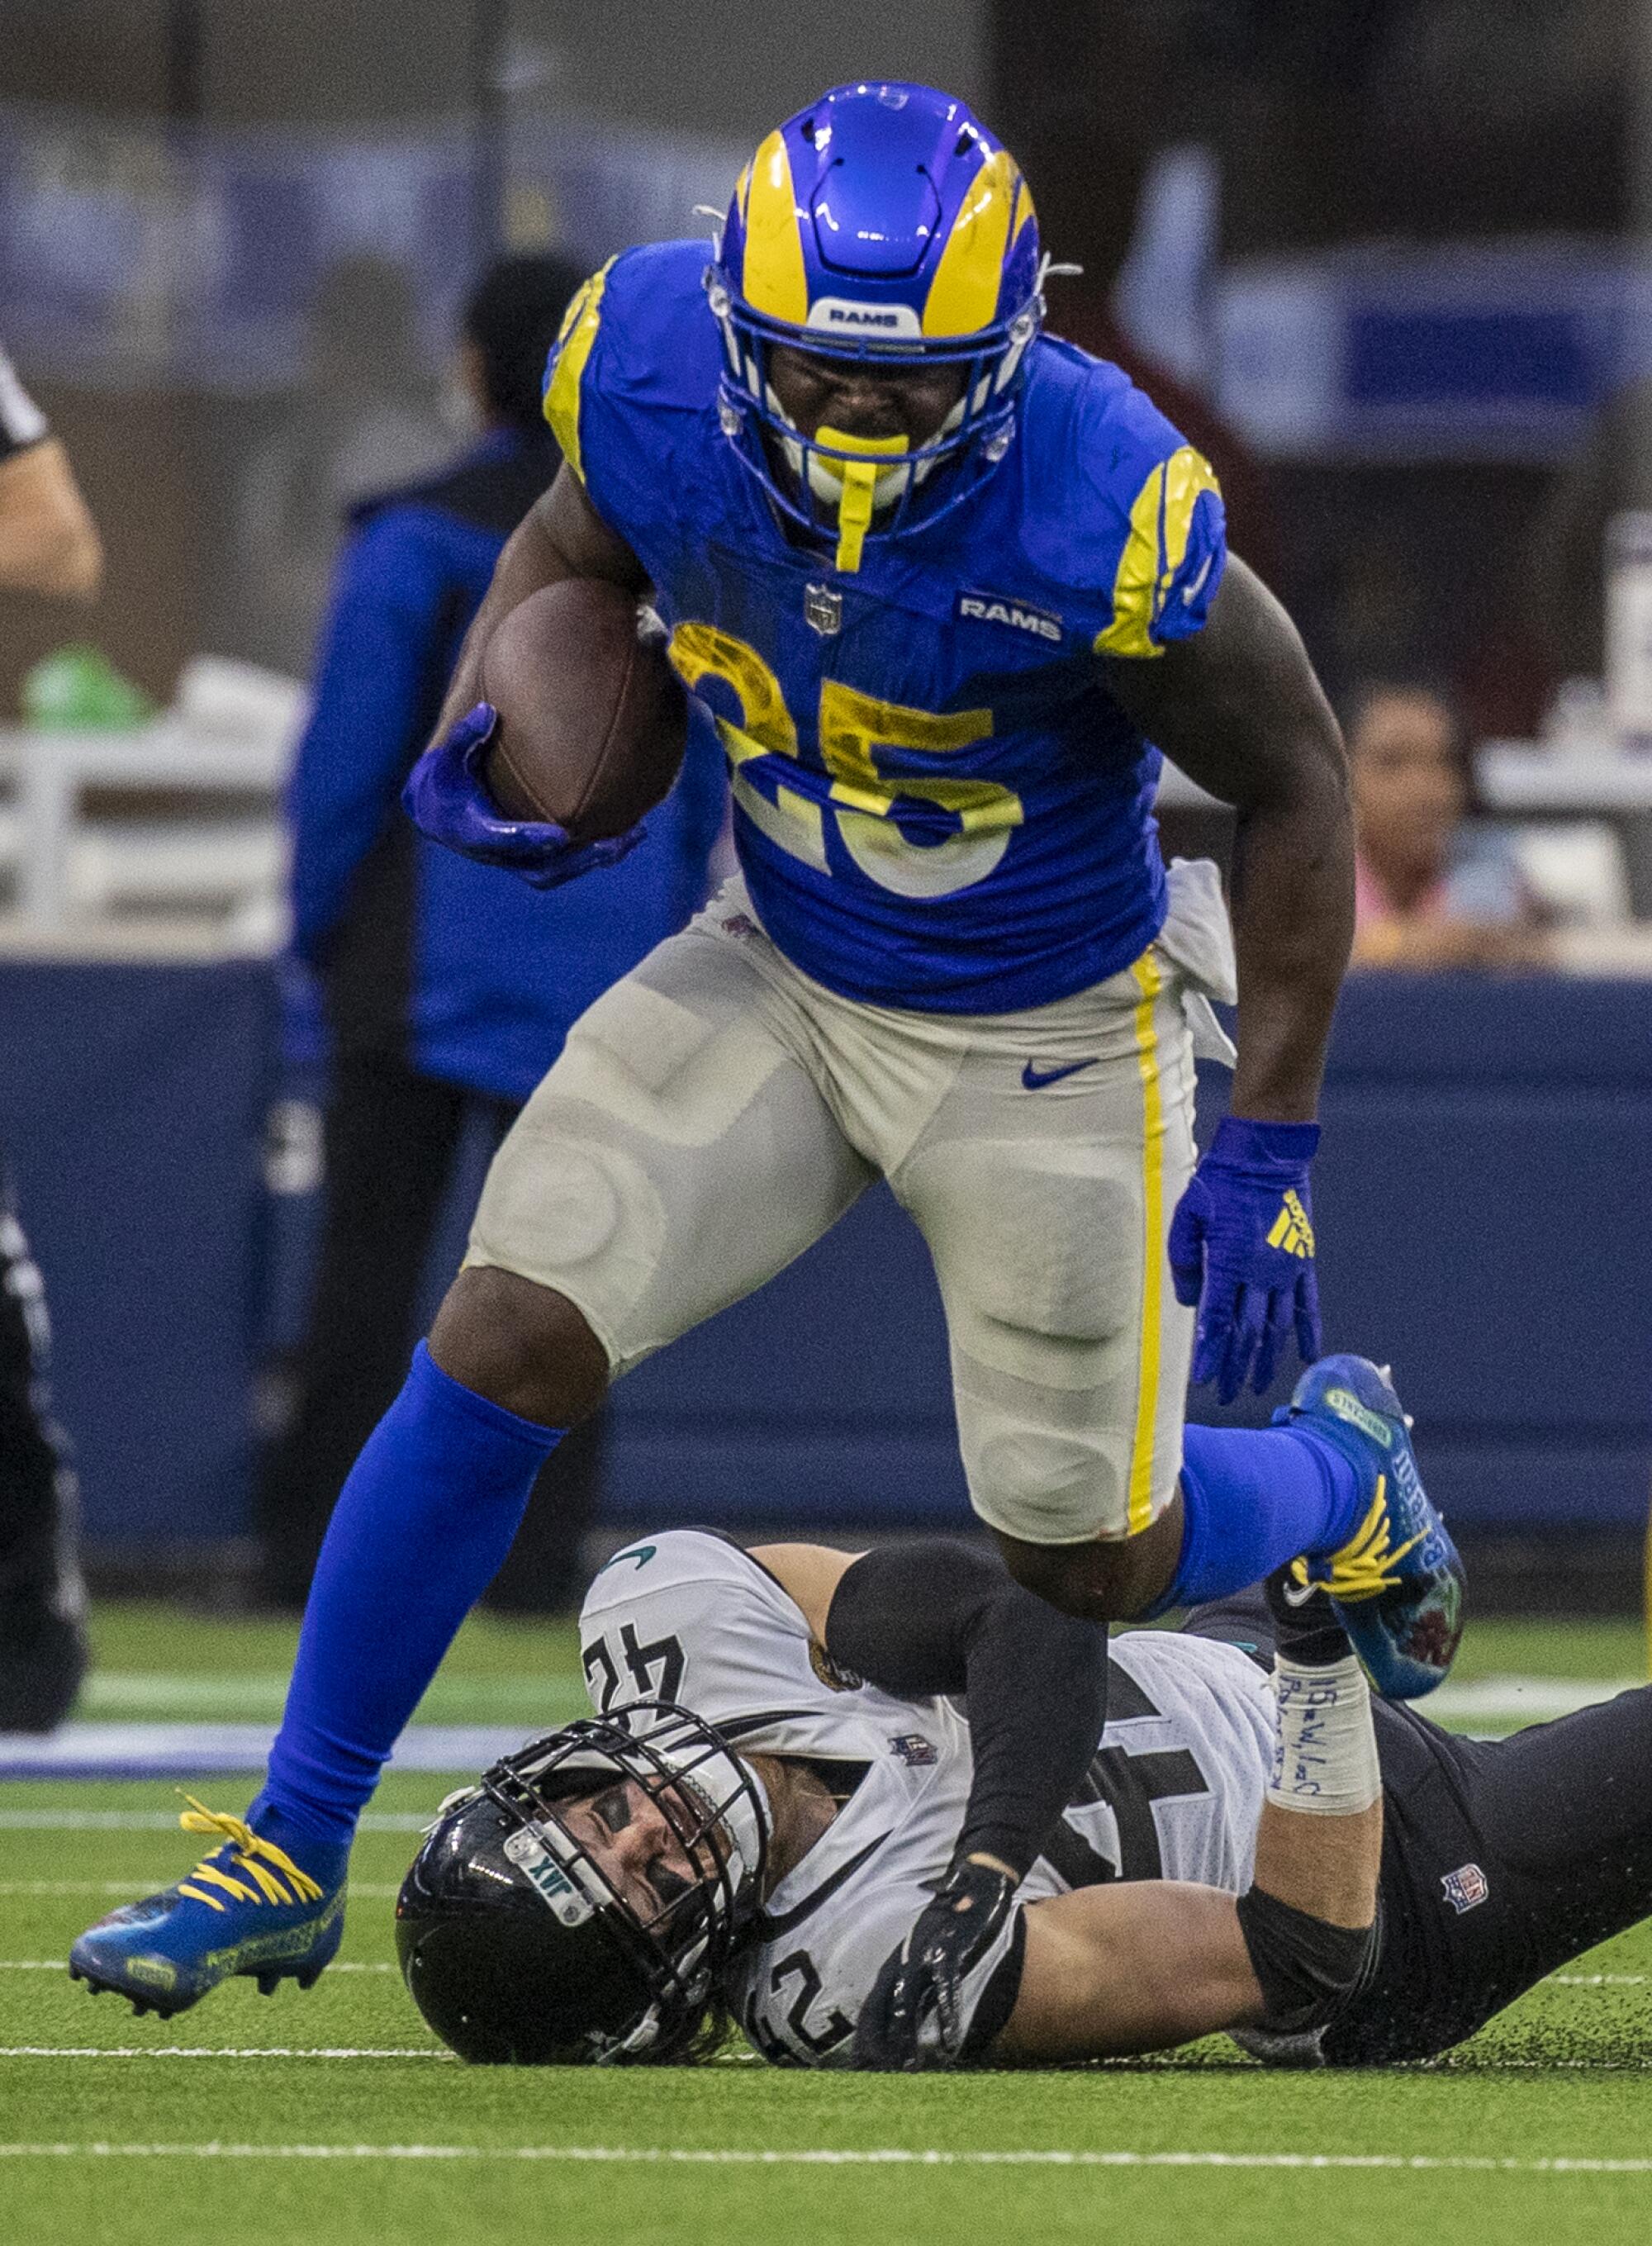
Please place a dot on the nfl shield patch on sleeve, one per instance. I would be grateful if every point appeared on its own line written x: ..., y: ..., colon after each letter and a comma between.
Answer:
x: 1465, y: 1887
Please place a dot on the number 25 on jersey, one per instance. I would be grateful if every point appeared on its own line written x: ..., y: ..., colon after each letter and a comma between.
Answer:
x: 973, y: 819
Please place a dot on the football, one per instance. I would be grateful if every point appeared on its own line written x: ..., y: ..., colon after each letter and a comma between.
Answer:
x: 592, y: 718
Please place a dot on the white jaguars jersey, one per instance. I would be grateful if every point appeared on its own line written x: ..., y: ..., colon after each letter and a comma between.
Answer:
x: 1174, y: 1790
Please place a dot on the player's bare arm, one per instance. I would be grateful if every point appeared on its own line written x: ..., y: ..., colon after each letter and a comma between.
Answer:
x: 1109, y: 1972
x: 1112, y: 1971
x: 48, y: 541
x: 1237, y: 708
x: 561, y: 536
x: 810, y: 1574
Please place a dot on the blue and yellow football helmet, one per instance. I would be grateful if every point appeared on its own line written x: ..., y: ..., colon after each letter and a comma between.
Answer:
x: 882, y: 223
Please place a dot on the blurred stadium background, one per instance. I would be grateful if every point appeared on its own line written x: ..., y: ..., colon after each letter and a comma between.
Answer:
x: 1386, y: 260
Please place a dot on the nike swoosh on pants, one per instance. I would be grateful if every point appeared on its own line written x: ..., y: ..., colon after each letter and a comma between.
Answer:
x: 1034, y: 1079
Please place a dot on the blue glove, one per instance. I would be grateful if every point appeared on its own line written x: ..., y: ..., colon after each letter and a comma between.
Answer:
x: 447, y: 799
x: 1241, y: 1250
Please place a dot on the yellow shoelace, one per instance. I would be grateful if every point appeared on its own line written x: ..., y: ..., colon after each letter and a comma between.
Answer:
x: 1367, y: 1564
x: 254, y: 1855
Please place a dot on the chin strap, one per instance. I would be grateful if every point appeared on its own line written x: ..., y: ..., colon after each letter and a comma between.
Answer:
x: 860, y: 481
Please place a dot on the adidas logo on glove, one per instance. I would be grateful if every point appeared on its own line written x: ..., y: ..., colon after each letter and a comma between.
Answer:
x: 1292, y: 1230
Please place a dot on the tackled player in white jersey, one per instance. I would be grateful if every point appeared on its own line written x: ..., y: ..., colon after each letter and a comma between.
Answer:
x: 885, y: 1810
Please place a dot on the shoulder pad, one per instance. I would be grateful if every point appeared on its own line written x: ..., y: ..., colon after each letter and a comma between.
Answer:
x: 688, y: 1614
x: 639, y: 334
x: 1122, y: 507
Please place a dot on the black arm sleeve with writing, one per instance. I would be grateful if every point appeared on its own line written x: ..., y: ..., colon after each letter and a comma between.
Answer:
x: 932, y: 1617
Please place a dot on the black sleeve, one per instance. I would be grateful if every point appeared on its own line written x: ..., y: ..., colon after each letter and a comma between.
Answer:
x: 932, y: 1617
x: 1306, y: 1968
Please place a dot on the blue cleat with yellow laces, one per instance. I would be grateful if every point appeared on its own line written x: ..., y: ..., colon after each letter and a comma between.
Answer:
x: 1398, y: 1583
x: 246, y: 1908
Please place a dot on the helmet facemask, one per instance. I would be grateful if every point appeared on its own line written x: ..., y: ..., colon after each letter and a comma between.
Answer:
x: 592, y: 1938
x: 824, y: 469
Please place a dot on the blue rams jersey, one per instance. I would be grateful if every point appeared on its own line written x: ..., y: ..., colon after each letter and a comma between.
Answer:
x: 938, y: 804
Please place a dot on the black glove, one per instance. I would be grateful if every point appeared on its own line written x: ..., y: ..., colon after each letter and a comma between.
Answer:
x: 1307, y: 1626
x: 914, y: 2018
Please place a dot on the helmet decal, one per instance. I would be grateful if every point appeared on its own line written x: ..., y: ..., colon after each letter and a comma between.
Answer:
x: 965, y: 294
x: 775, y: 281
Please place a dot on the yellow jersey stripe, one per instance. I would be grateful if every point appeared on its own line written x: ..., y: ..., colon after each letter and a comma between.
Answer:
x: 963, y: 295
x: 1149, y: 982
x: 575, y: 342
x: 1137, y: 578
x: 775, y: 282
x: 1160, y: 525
x: 1188, y: 474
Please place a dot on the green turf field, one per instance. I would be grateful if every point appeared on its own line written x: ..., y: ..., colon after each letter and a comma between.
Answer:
x: 326, y: 2119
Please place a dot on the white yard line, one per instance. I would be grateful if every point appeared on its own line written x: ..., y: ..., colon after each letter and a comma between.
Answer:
x: 350, y: 1965
x: 160, y: 1751
x: 186, y: 1692
x: 1513, y: 1699
x: 832, y: 2156
x: 347, y: 1966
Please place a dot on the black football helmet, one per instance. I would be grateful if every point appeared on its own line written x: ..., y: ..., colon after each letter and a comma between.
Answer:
x: 517, y: 1947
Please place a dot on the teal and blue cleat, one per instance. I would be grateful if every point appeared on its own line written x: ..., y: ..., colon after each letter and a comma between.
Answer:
x: 247, y: 1908
x: 1398, y: 1583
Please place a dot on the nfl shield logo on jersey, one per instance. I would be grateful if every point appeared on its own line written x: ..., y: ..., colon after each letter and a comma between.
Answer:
x: 1465, y: 1887
x: 823, y: 609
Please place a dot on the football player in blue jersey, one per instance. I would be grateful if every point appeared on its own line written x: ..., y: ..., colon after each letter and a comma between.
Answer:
x: 942, y: 583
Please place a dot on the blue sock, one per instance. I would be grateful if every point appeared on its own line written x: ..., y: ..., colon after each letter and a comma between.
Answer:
x: 1253, y: 1497
x: 421, y: 1528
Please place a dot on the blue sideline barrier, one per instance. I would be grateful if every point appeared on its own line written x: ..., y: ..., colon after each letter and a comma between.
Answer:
x: 132, y: 1103
x: 1484, y: 1198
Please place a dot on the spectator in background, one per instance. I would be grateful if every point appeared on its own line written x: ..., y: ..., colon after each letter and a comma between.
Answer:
x: 368, y: 415
x: 1429, y: 890
x: 48, y: 544
x: 446, y: 985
